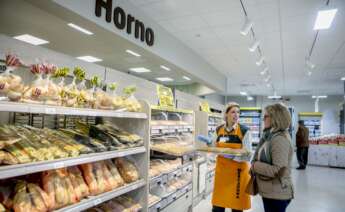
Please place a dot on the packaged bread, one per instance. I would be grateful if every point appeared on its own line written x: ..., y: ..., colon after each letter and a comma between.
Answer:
x: 22, y: 201
x: 39, y: 198
x: 127, y: 169
x: 116, y: 180
x: 80, y: 188
x: 7, y: 159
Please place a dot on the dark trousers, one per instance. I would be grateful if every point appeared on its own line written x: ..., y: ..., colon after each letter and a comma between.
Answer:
x: 302, y: 156
x: 275, y: 205
x: 220, y: 209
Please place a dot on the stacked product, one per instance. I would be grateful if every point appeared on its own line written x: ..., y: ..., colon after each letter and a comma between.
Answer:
x: 25, y: 144
x: 58, y: 188
x: 46, y: 90
x: 122, y: 203
x: 158, y: 167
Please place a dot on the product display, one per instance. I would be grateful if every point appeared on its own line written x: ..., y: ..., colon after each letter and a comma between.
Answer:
x: 122, y: 203
x: 10, y: 84
x: 66, y: 186
x: 251, y: 118
x: 127, y: 170
x: 158, y: 167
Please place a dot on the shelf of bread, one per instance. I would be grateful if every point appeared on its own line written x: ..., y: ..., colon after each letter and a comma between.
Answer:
x: 6, y: 106
x: 74, y: 188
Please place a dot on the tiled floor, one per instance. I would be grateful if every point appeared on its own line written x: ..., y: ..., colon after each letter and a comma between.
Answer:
x: 317, y: 189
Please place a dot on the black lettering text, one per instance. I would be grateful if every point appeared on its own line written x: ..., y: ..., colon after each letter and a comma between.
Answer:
x: 139, y: 29
x: 130, y: 20
x: 149, y: 36
x: 119, y: 18
x: 107, y: 5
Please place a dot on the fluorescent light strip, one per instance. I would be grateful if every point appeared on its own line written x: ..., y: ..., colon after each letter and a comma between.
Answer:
x: 250, y: 98
x: 324, y: 19
x: 79, y: 28
x: 243, y: 93
x: 274, y: 97
x: 90, y: 59
x: 186, y: 78
x: 140, y: 70
x: 165, y: 68
x: 133, y: 53
x: 31, y: 39
x: 164, y: 79
x: 319, y: 97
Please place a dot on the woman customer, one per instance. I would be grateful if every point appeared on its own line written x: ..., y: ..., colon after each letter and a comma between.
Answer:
x: 232, y: 174
x: 272, y: 160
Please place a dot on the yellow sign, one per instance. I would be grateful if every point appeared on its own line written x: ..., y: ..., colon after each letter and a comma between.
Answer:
x: 165, y: 96
x: 204, y: 106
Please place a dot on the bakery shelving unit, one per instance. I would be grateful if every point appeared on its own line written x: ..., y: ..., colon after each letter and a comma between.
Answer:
x: 204, y: 165
x: 135, y: 122
x: 251, y: 117
x: 172, y: 185
x: 313, y: 121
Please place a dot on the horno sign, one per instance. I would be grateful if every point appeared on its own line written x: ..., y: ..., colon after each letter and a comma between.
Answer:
x: 123, y: 21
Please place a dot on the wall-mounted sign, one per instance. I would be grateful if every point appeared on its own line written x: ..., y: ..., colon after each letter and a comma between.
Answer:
x: 204, y: 106
x: 123, y: 21
x: 165, y: 96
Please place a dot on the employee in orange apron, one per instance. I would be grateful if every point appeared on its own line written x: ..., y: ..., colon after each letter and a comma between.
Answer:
x: 232, y: 174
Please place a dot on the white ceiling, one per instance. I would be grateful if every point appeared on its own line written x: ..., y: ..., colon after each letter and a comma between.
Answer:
x: 285, y: 29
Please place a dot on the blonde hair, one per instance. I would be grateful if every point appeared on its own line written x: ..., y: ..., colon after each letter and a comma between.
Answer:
x: 279, y: 115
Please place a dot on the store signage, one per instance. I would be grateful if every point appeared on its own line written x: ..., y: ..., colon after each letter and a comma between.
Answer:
x: 123, y: 21
x: 204, y: 106
x: 165, y: 96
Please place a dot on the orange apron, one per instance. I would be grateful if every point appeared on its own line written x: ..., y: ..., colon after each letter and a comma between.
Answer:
x: 231, y: 177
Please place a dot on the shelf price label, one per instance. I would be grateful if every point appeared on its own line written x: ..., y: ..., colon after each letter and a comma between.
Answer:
x: 50, y: 110
x: 59, y: 165
x: 97, y: 201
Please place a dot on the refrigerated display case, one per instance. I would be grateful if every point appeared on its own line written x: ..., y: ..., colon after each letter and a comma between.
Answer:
x: 313, y: 121
x: 251, y: 117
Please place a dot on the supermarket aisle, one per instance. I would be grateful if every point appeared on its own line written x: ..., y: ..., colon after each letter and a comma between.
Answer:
x: 317, y: 189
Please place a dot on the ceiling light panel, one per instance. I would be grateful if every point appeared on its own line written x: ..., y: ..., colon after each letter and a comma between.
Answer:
x: 186, y: 78
x: 133, y: 53
x: 90, y: 59
x: 31, y: 39
x: 324, y: 19
x: 164, y: 79
x: 79, y: 28
x: 165, y: 68
x: 140, y: 70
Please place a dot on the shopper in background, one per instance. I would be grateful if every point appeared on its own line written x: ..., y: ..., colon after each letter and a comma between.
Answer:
x: 232, y: 174
x: 272, y: 160
x: 302, y: 144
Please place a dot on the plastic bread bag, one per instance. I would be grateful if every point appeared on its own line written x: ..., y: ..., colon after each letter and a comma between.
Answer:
x: 118, y: 181
x: 62, y: 195
x: 48, y: 181
x: 127, y: 169
x: 84, y: 99
x: 102, y: 99
x: 52, y: 96
x: 71, y: 92
x: 39, y: 198
x: 130, y: 102
x: 10, y: 84
x: 90, y: 178
x: 102, y: 182
x: 78, y: 182
x: 22, y: 200
x: 117, y: 101
x: 61, y: 74
x: 36, y: 92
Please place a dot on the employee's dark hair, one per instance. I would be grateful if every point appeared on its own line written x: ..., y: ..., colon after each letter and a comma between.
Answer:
x: 301, y: 122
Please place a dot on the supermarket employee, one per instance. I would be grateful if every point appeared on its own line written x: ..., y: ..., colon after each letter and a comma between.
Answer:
x: 232, y: 174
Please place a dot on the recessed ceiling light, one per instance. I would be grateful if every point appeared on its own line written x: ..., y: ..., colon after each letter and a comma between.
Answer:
x: 243, y: 93
x: 89, y: 58
x: 254, y: 46
x: 324, y: 19
x: 246, y: 27
x: 260, y: 61
x: 31, y: 39
x: 186, y: 78
x: 319, y: 97
x: 343, y: 78
x: 140, y: 70
x: 133, y: 53
x: 274, y: 97
x: 164, y: 79
x: 165, y: 68
x: 79, y: 28
x: 250, y: 98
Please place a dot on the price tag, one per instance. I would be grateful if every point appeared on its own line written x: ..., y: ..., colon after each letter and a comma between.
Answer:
x: 50, y: 110
x: 59, y: 165
x: 97, y: 201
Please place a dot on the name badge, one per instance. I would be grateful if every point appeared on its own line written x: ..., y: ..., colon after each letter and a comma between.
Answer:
x: 223, y: 139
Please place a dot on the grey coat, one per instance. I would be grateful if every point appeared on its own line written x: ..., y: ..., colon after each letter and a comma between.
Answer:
x: 272, y: 166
